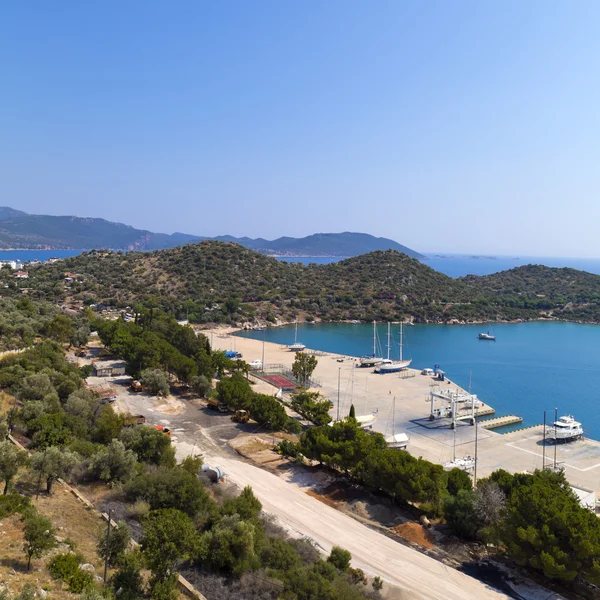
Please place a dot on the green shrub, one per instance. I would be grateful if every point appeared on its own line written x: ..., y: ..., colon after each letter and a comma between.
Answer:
x: 288, y: 448
x: 66, y: 567
x: 340, y: 558
x: 13, y: 503
x: 63, y: 566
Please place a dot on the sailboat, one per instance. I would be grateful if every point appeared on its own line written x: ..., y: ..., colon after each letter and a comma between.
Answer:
x: 466, y: 463
x: 396, y: 440
x: 372, y: 360
x: 398, y: 365
x: 487, y: 336
x: 296, y: 346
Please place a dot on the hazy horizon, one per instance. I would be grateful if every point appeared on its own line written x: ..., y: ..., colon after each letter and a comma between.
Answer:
x: 466, y: 127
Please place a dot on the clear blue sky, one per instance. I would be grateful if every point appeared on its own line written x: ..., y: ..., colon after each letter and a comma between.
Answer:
x: 448, y: 126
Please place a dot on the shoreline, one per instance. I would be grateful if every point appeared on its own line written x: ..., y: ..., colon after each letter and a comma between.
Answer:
x: 519, y: 450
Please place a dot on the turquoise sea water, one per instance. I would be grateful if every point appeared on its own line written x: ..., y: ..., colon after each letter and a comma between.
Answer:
x: 41, y: 255
x: 457, y: 265
x: 531, y: 367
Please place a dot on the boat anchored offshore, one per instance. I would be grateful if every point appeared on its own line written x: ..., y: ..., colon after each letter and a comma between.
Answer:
x: 487, y: 336
x: 565, y: 429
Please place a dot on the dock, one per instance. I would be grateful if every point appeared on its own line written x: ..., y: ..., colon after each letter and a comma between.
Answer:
x: 501, y: 422
x: 485, y: 411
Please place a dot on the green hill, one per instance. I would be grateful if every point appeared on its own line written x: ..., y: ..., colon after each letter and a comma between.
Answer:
x: 22, y: 231
x: 224, y: 282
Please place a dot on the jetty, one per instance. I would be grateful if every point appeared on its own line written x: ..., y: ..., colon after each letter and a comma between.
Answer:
x: 500, y: 422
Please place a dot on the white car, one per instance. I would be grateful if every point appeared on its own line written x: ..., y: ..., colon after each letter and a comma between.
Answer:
x: 255, y: 364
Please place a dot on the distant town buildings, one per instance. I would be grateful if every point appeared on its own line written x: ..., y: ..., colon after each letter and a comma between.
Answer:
x: 13, y: 264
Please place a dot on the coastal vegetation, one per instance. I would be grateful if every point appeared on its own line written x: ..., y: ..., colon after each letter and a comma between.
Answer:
x: 215, y: 282
x: 225, y: 543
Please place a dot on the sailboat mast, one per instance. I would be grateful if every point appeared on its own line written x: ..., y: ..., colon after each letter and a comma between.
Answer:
x: 374, y: 340
x: 388, y: 341
x: 296, y: 332
x: 400, y: 341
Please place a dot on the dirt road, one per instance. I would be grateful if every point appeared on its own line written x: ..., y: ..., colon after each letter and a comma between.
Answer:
x: 422, y: 578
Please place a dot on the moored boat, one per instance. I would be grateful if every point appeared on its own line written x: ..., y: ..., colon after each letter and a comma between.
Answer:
x: 487, y: 336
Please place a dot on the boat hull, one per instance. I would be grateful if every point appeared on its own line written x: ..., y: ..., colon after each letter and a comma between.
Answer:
x: 394, y: 367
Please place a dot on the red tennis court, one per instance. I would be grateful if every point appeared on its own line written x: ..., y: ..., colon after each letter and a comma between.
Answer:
x: 279, y: 381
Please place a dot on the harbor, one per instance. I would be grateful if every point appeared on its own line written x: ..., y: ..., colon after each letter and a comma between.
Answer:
x: 401, y: 403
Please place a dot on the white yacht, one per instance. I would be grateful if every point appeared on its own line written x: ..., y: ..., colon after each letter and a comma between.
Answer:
x: 487, y: 336
x: 565, y: 429
x: 396, y: 365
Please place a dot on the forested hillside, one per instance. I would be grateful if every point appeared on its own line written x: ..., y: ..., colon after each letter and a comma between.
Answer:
x: 224, y: 282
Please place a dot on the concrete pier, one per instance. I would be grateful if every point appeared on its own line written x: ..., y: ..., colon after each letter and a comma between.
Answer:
x: 501, y: 422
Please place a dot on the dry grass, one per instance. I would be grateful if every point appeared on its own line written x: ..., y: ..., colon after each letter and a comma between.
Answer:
x: 6, y: 402
x: 72, y: 520
x: 13, y: 564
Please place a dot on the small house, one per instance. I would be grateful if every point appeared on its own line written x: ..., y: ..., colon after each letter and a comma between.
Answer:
x: 21, y: 275
x: 108, y: 368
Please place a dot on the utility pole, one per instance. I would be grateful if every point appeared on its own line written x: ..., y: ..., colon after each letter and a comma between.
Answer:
x: 475, y: 468
x: 555, y: 444
x: 263, y: 351
x: 107, y: 546
x: 544, y: 445
x: 339, y: 379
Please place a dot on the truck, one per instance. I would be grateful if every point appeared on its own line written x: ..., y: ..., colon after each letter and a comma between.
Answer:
x: 136, y: 386
x: 165, y: 430
x: 216, y: 404
x: 133, y: 420
x: 241, y: 416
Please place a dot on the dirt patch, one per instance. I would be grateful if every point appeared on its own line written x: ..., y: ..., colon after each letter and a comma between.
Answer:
x: 170, y: 406
x: 414, y: 532
x: 324, y: 499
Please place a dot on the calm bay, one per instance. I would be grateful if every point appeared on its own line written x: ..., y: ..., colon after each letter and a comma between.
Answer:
x: 531, y: 367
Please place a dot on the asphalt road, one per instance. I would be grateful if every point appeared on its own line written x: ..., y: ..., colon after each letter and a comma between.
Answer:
x: 196, y: 429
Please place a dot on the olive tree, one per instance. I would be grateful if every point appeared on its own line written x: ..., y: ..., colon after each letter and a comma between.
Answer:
x: 39, y: 536
x: 54, y: 463
x: 11, y: 459
x: 156, y: 381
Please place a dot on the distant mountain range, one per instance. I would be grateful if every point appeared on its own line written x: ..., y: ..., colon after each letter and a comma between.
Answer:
x: 20, y: 230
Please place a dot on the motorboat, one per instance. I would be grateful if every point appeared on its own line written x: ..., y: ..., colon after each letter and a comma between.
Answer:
x: 566, y: 429
x: 487, y: 336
